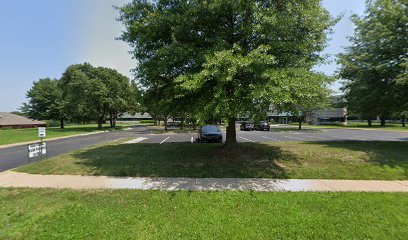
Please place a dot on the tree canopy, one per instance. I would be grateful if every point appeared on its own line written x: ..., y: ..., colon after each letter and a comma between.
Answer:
x: 93, y: 93
x: 84, y: 93
x: 225, y: 57
x: 45, y: 101
x: 376, y: 61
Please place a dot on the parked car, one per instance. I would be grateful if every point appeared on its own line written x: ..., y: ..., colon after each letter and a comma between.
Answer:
x: 209, y: 133
x: 262, y: 126
x: 246, y: 126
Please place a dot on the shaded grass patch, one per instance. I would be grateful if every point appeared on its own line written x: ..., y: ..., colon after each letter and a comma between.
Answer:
x: 304, y: 160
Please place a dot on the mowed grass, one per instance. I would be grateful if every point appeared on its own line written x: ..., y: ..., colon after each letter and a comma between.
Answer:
x: 364, y: 125
x: 293, y: 129
x: 127, y: 214
x: 303, y: 160
x: 9, y: 136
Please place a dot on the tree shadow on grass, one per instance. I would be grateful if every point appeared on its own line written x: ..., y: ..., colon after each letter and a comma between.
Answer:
x: 388, y: 154
x: 249, y: 160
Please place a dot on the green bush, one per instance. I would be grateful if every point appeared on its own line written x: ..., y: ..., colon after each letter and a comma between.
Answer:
x: 146, y: 121
x: 52, y: 123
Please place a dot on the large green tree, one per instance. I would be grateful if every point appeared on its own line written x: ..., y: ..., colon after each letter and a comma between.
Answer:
x: 402, y: 84
x: 226, y: 55
x: 46, y: 102
x: 375, y: 59
x: 94, y: 93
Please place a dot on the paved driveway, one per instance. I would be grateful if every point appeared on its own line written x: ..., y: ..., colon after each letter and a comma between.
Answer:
x: 16, y: 156
x: 324, y: 135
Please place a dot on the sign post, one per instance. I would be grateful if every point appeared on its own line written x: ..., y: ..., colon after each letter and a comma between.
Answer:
x: 38, y: 149
x: 41, y: 134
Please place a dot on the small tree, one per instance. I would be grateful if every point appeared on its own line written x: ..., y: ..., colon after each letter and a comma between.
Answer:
x: 308, y: 92
x: 403, y: 116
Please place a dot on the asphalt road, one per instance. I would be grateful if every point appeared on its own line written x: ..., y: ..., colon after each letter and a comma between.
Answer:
x: 16, y: 156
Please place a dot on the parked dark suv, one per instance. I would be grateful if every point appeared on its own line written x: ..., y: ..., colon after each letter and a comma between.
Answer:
x: 262, y: 126
x: 209, y: 133
x: 246, y: 126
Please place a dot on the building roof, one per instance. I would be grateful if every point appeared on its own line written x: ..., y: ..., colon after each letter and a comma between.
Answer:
x: 136, y: 116
x: 9, y: 119
x: 280, y: 114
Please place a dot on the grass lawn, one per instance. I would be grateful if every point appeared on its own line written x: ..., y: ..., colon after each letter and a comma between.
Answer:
x: 375, y: 126
x: 127, y: 214
x: 8, y: 136
x: 293, y: 129
x: 304, y: 160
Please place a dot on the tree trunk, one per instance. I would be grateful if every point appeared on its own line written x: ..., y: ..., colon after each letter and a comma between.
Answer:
x: 62, y: 123
x: 369, y: 122
x: 382, y: 121
x: 100, y: 122
x: 194, y: 124
x: 182, y: 123
x: 111, y: 120
x: 403, y: 121
x: 165, y: 123
x: 115, y: 117
x: 300, y: 123
x: 231, y: 139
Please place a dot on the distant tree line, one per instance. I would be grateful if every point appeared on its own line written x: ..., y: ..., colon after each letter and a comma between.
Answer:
x: 375, y: 65
x: 83, y: 94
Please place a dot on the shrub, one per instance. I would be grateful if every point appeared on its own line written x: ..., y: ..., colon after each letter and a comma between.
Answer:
x: 52, y: 123
x: 146, y: 121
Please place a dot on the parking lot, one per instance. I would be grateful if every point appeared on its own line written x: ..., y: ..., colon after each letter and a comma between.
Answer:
x: 281, y: 135
x: 16, y: 156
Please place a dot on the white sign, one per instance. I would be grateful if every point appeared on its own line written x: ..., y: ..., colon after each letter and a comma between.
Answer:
x: 41, y: 132
x: 37, y: 149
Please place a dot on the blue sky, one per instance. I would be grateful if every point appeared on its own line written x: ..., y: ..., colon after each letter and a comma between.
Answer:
x: 41, y: 38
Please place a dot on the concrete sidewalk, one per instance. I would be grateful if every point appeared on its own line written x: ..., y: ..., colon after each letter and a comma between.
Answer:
x: 16, y: 179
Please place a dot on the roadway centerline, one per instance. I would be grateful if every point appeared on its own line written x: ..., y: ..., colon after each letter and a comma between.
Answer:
x: 249, y: 140
x: 164, y: 140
